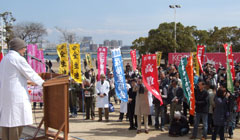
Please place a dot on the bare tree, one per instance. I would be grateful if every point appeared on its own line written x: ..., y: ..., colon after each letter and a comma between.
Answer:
x: 68, y: 36
x: 8, y: 20
x: 30, y: 32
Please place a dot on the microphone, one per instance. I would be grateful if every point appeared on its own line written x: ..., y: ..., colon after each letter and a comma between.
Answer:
x: 35, y: 58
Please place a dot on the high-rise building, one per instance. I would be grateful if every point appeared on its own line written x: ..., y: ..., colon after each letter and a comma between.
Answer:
x: 106, y: 43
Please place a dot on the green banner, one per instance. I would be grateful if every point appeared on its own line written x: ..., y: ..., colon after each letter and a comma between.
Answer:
x: 229, y: 74
x: 184, y: 77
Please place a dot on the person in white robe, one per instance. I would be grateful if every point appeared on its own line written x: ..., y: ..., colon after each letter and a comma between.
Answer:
x: 15, y: 105
x: 102, y: 89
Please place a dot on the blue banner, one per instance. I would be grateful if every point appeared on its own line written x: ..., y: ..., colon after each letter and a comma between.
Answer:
x: 119, y: 78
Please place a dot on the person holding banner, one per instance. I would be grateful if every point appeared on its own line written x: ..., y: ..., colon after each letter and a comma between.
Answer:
x: 142, y: 105
x: 15, y: 105
x: 102, y: 89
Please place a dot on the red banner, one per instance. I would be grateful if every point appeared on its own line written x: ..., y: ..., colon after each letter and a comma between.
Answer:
x: 230, y: 59
x: 102, y: 60
x: 150, y: 76
x: 1, y: 56
x: 134, y: 59
x: 217, y: 59
x: 189, y: 69
x: 200, y: 54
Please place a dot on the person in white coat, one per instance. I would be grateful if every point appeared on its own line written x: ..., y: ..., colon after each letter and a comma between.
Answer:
x: 15, y: 105
x: 102, y: 89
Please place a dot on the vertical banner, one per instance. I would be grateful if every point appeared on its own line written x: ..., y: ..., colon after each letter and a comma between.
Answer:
x: 102, y: 60
x: 184, y: 78
x: 149, y: 75
x: 33, y: 51
x: 63, y: 55
x: 230, y: 67
x: 195, y: 62
x: 89, y: 60
x: 75, y: 56
x: 189, y: 69
x: 134, y: 59
x: 200, y: 55
x: 1, y: 56
x: 119, y: 78
x: 159, y: 57
x: 42, y: 65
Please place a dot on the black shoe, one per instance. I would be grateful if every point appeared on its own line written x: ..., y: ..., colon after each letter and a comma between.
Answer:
x: 132, y: 128
x: 119, y: 120
x: 99, y: 120
x: 230, y: 136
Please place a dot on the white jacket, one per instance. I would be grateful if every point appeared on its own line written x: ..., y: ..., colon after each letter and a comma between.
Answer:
x: 15, y: 105
x: 102, y: 88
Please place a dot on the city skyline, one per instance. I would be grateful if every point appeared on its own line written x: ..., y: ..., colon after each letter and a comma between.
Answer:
x: 121, y: 20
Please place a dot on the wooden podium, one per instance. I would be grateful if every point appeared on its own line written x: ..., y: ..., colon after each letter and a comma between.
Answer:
x: 55, y: 98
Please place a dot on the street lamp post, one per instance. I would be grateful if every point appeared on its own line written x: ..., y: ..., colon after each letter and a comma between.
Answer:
x: 175, y: 27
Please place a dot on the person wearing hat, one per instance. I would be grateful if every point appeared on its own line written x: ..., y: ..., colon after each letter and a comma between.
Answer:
x: 15, y: 105
x: 102, y: 89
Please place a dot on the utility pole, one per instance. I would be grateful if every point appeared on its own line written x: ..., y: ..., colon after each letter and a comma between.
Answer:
x: 175, y: 27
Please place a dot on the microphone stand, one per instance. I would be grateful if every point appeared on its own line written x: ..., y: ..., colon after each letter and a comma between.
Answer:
x: 47, y: 64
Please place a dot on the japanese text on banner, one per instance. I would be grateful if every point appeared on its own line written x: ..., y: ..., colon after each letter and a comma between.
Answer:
x: 119, y: 78
x: 134, y: 59
x: 149, y: 75
x: 75, y: 62
x: 102, y: 60
x: 63, y: 55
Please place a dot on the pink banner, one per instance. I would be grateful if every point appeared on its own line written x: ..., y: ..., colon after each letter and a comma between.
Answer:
x: 102, y: 60
x: 42, y: 67
x: 33, y: 51
x: 217, y: 59
x: 134, y: 59
x: 150, y: 76
x: 230, y: 59
x: 200, y: 55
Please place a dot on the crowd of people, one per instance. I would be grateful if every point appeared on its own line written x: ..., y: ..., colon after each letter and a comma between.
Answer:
x: 215, y: 107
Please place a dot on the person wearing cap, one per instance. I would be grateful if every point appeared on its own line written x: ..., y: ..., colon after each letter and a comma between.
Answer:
x: 102, y: 89
x: 179, y: 125
x: 15, y: 105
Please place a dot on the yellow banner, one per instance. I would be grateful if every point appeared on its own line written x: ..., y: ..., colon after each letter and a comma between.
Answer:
x: 89, y: 60
x: 75, y: 62
x: 63, y: 55
x: 159, y: 57
x: 195, y: 62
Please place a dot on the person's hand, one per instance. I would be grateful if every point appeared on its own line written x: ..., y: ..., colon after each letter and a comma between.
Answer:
x: 176, y: 100
x: 101, y: 95
x: 31, y: 83
x: 130, y: 100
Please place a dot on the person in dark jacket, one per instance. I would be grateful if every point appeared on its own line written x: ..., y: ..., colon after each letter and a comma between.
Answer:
x: 131, y: 105
x: 201, y: 109
x: 161, y: 109
x: 219, y: 115
x: 179, y: 125
x: 89, y: 98
x: 175, y: 96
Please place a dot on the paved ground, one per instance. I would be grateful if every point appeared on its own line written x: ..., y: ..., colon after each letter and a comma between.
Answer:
x: 92, y: 130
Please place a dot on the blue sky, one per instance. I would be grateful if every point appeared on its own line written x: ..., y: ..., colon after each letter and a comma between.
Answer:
x: 124, y: 20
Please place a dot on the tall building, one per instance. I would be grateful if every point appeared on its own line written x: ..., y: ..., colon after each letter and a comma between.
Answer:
x: 93, y: 47
x: 86, y: 42
x: 106, y: 43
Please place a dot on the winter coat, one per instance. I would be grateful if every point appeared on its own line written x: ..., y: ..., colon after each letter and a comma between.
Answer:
x: 142, y: 103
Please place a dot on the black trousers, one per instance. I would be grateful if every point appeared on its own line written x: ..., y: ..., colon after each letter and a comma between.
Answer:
x: 132, y: 116
x: 218, y: 130
x: 89, y: 107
